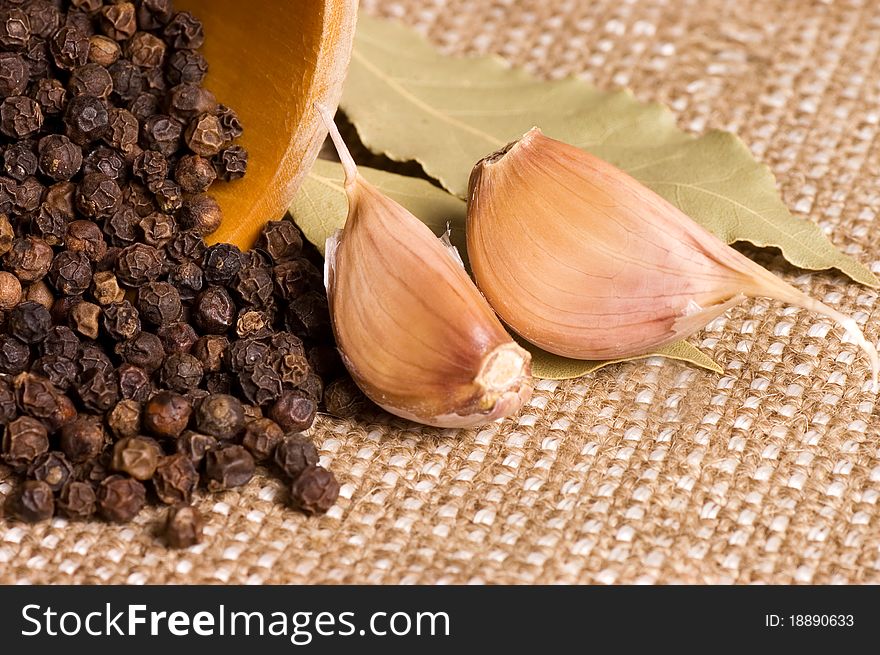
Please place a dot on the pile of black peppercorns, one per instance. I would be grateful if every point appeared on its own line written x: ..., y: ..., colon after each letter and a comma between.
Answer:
x: 135, y: 361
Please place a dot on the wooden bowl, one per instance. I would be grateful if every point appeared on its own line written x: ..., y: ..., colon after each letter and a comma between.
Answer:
x: 271, y: 61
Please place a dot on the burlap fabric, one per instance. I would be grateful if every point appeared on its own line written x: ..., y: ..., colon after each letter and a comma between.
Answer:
x: 644, y: 472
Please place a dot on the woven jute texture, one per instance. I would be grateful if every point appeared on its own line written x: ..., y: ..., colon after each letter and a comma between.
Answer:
x: 644, y: 472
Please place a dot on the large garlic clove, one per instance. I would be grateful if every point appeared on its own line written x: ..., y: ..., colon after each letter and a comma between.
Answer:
x: 414, y: 332
x: 584, y: 261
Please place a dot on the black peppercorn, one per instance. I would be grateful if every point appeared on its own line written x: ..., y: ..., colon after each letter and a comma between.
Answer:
x: 308, y: 316
x: 313, y: 387
x: 294, y: 454
x: 121, y: 498
x: 20, y: 117
x: 51, y: 96
x: 183, y: 527
x: 86, y: 237
x: 261, y: 438
x: 59, y: 157
x: 15, y: 29
x: 161, y: 133
x: 61, y: 341
x: 194, y: 174
x: 144, y: 350
x: 60, y: 371
x: 71, y: 272
x: 92, y: 356
x: 184, y: 31
x: 139, y: 264
x: 145, y: 50
x: 51, y: 468
x: 210, y: 350
x: 134, y: 382
x: 177, y: 337
x: 14, y: 355
x: 136, y: 456
x: 33, y: 502
x: 159, y: 303
x: 122, y: 131
x: 281, y: 240
x: 186, y: 246
x: 103, y: 50
x: 166, y: 414
x: 175, y: 479
x: 98, y: 390
x: 195, y: 445
x: 83, y: 438
x: 118, y: 20
x: 295, y: 277
x: 85, y: 318
x: 125, y: 419
x: 220, y: 415
x: 204, y: 135
x: 214, y: 310
x: 90, y: 79
x: 69, y: 47
x: 201, y: 214
x: 187, y: 278
x: 314, y: 491
x: 294, y: 411
x: 87, y: 119
x: 128, y: 80
x: 122, y: 226
x: 106, y: 160
x: 20, y: 160
x: 261, y: 384
x: 181, y: 372
x: 227, y: 467
x: 24, y: 440
x: 29, y: 321
x: 98, y: 195
x: 77, y: 500
x: 153, y: 14
x: 144, y: 105
x: 8, y: 407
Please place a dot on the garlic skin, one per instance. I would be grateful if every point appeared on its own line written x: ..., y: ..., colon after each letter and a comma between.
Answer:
x: 412, y: 328
x: 585, y: 262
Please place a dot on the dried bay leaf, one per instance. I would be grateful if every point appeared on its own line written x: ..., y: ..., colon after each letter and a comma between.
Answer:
x: 411, y: 103
x: 320, y: 208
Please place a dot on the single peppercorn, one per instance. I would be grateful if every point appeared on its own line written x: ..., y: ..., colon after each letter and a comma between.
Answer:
x: 59, y: 158
x: 294, y: 411
x: 86, y: 119
x: 103, y: 51
x: 145, y: 50
x: 162, y: 133
x: 128, y: 80
x: 294, y: 454
x: 14, y: 355
x: 314, y: 491
x: 214, y: 310
x: 51, y: 96
x: 229, y: 123
x: 166, y: 414
x: 184, y: 31
x: 51, y: 468
x: 118, y: 20
x: 260, y: 384
x: 20, y: 117
x: 159, y: 303
x: 175, y: 479
x: 85, y: 318
x: 60, y: 371
x: 93, y: 357
x: 186, y: 101
x: 86, y: 237
x: 144, y: 350
x: 98, y: 390
x: 83, y: 438
x: 69, y: 47
x: 8, y: 406
x: 178, y: 338
x: 120, y: 498
x: 187, y: 279
x: 71, y: 272
x: 181, y: 372
x: 90, y: 79
x: 136, y: 456
x: 61, y: 341
x: 121, y: 321
x: 204, y: 135
x: 261, y: 438
x: 154, y: 14
x: 295, y: 277
x: 220, y: 415
x: 313, y: 387
x: 98, y: 196
x: 201, y: 214
x: 210, y: 350
x: 29, y: 321
x: 308, y: 316
x: 139, y: 264
x: 39, y: 398
x: 10, y: 291
x: 134, y: 382
x: 194, y: 174
x: 20, y: 160
x: 109, y: 161
x: 24, y: 440
x: 77, y: 500
x: 33, y: 502
x: 14, y: 74
x: 35, y: 292
x: 124, y: 420
x: 280, y: 239
x: 183, y: 527
x: 29, y: 258
x: 227, y: 467
x: 195, y: 445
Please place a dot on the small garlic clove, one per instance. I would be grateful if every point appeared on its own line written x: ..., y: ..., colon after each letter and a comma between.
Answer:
x: 412, y: 328
x: 585, y: 262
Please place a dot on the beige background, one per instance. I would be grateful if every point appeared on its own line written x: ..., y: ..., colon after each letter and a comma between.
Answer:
x: 644, y: 472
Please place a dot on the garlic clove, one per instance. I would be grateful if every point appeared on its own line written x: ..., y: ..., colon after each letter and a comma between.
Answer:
x: 585, y: 262
x: 412, y: 328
